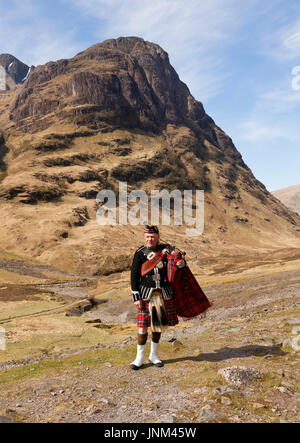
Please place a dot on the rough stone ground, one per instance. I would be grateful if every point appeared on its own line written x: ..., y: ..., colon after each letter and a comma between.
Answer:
x: 97, y: 385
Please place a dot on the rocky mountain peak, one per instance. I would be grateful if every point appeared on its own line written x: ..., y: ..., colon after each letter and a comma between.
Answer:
x: 14, y: 68
x: 130, y: 45
x: 126, y: 75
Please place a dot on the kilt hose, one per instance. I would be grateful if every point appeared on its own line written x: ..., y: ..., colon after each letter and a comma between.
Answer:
x: 144, y: 319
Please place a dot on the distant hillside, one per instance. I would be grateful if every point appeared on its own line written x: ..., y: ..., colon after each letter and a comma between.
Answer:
x: 290, y: 197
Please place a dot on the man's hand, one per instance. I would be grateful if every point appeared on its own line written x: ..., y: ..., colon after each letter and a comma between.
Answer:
x: 138, y: 304
x: 180, y: 263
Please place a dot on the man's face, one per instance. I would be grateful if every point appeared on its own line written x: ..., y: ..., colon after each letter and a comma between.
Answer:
x: 151, y: 240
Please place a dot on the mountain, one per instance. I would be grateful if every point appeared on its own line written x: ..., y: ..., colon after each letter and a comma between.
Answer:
x: 290, y: 197
x: 119, y: 112
x: 16, y: 71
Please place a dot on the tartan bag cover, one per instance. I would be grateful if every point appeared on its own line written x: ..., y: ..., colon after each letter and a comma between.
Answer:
x: 190, y: 300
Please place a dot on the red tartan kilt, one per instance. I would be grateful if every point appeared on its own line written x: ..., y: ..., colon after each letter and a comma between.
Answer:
x: 144, y: 318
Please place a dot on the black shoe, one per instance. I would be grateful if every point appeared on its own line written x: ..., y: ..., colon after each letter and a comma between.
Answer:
x: 135, y: 368
x: 159, y: 364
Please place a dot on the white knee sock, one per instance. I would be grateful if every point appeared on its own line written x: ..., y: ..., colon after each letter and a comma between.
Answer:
x: 139, y: 360
x: 153, y: 357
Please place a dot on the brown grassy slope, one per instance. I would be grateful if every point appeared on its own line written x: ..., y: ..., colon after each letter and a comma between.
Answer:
x: 66, y: 232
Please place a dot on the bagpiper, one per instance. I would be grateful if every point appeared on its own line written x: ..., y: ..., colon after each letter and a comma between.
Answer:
x: 162, y: 287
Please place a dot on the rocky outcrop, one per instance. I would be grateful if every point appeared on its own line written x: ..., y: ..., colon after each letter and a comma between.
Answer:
x: 239, y: 375
x: 126, y: 75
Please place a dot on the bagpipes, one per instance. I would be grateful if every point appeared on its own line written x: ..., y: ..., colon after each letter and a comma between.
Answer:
x: 190, y: 300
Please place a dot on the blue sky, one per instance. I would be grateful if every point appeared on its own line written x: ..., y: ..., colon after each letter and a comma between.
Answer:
x: 235, y: 56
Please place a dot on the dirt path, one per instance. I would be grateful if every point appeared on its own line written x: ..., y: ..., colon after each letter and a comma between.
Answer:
x: 33, y: 270
x: 76, y: 288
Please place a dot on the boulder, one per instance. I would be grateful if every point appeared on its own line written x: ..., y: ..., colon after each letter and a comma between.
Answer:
x: 239, y: 375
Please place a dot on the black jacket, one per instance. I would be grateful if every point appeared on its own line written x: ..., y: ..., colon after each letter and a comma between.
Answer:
x: 141, y: 286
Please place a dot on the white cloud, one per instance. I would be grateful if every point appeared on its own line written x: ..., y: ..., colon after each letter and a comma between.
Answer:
x: 256, y: 130
x: 51, y: 46
x: 279, y: 101
x: 283, y: 44
x: 33, y: 37
x: 272, y: 118
x: 292, y: 42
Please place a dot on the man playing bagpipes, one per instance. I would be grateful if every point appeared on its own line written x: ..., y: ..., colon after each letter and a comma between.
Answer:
x: 162, y: 287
